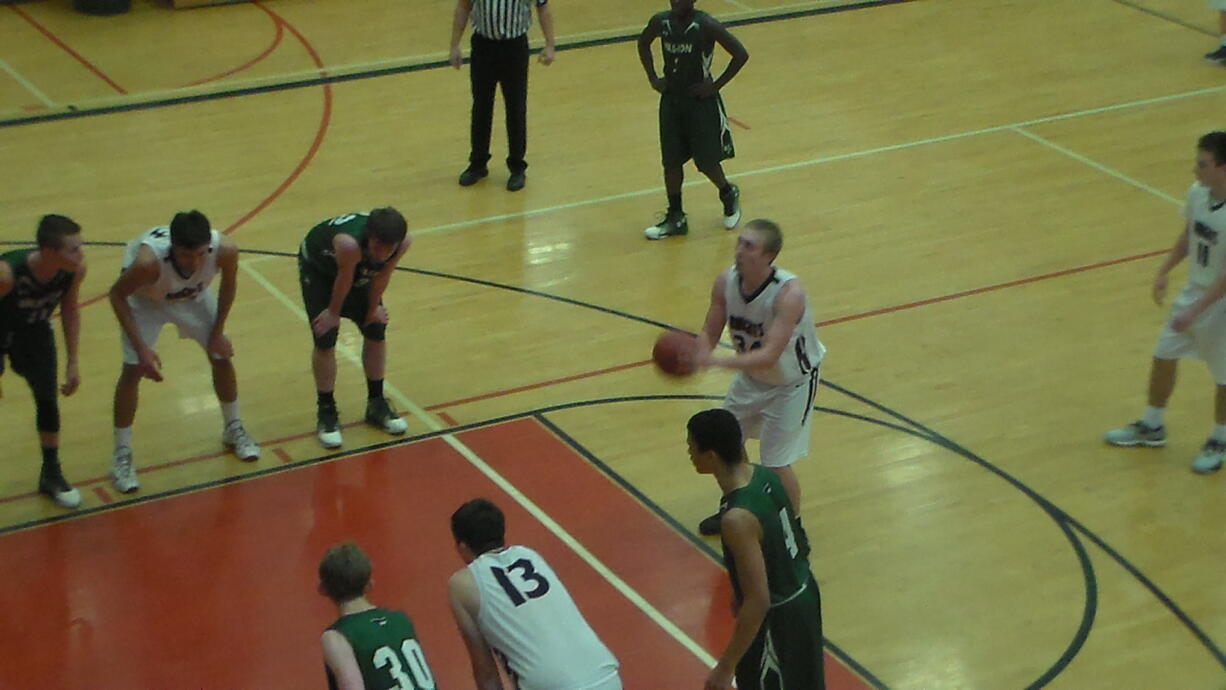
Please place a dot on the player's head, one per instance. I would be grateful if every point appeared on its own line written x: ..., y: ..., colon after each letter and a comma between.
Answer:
x: 190, y: 237
x: 344, y: 573
x: 478, y: 526
x: 1211, y: 159
x: 681, y: 8
x: 758, y: 244
x: 59, y: 238
x: 714, y: 439
x: 385, y: 230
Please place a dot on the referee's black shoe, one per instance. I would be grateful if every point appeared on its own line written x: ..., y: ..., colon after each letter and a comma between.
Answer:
x: 471, y: 174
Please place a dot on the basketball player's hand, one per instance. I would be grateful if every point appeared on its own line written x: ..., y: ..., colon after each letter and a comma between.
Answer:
x: 659, y: 84
x: 72, y: 379
x: 220, y: 346
x: 456, y: 58
x: 546, y: 57
x: 720, y: 679
x: 704, y: 89
x: 324, y: 322
x: 1182, y: 320
x: 377, y: 315
x: 148, y: 364
x: 1159, y: 288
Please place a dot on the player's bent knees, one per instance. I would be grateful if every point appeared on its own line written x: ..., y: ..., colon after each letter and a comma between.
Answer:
x: 326, y: 342
x: 375, y: 331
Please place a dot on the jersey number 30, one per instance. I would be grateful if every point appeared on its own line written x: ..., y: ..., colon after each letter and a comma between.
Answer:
x: 527, y: 576
x: 421, y: 678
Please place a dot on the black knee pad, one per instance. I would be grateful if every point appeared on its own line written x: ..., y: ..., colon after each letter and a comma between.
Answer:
x: 375, y: 331
x: 47, y: 414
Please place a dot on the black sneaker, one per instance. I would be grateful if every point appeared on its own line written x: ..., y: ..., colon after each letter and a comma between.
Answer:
x: 1218, y: 57
x: 328, y: 426
x: 732, y: 206
x: 52, y: 484
x: 673, y: 224
x: 516, y: 182
x: 709, y: 527
x: 379, y: 414
x: 471, y: 174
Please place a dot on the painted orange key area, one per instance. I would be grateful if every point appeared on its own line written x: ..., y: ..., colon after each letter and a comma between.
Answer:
x: 217, y: 588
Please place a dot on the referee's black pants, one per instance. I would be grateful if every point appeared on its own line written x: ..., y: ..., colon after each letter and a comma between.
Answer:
x: 505, y: 63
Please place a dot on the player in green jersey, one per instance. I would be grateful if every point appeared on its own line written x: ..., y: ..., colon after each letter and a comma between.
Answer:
x: 32, y: 283
x: 693, y: 123
x: 368, y: 647
x: 344, y: 265
x: 777, y: 641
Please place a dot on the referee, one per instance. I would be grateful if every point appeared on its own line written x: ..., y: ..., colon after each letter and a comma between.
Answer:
x: 499, y: 56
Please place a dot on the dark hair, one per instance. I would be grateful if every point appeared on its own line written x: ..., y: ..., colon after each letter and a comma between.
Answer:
x: 717, y: 430
x: 386, y: 225
x: 1214, y: 143
x: 52, y: 230
x: 774, y: 234
x: 479, y: 525
x: 190, y: 230
x: 344, y: 572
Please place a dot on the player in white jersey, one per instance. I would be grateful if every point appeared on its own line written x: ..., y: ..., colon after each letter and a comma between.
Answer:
x: 508, y: 602
x: 778, y: 354
x: 1196, y: 325
x: 166, y: 276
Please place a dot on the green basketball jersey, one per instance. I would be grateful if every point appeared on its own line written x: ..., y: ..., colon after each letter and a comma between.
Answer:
x: 687, y: 52
x: 30, y: 302
x: 317, y: 253
x: 785, y: 546
x: 386, y: 647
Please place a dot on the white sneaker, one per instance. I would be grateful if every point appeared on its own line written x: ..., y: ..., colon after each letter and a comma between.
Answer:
x: 51, y: 483
x: 235, y: 437
x: 1211, y: 457
x: 328, y: 427
x: 732, y: 207
x: 381, y: 415
x: 123, y: 472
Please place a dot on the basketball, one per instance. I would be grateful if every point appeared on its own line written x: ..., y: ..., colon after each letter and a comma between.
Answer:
x: 671, y: 353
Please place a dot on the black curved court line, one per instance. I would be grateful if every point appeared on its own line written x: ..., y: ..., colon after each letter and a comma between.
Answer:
x: 75, y: 112
x: 1165, y: 17
x: 926, y: 433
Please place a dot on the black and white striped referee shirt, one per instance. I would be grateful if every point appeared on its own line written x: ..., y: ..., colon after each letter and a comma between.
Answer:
x: 502, y: 19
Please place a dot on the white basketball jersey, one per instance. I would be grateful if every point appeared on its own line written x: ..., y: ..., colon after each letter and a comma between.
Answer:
x: 1206, y: 235
x: 750, y: 318
x: 170, y: 286
x: 530, y: 621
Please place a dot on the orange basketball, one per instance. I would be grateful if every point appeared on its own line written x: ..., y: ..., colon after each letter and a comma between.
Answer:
x: 672, y: 353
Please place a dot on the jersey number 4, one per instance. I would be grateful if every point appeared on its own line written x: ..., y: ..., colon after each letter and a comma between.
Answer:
x: 518, y: 592
x: 414, y: 658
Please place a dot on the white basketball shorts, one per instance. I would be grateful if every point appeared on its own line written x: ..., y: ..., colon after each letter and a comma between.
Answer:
x: 1204, y: 339
x: 194, y: 319
x: 781, y: 416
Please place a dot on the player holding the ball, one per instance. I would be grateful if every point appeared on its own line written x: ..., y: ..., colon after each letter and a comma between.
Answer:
x: 778, y: 356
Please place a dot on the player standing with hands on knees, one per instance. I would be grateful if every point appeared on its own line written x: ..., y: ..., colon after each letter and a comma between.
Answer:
x: 692, y: 119
x: 166, y: 276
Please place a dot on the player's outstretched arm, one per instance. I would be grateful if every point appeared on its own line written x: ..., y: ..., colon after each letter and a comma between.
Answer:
x: 713, y: 324
x: 743, y: 536
x: 340, y: 660
x: 465, y: 605
x: 70, y: 322
x: 142, y: 272
x: 227, y: 262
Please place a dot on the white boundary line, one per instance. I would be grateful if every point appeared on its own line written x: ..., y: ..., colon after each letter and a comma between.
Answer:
x: 536, y: 511
x: 29, y: 86
x: 1013, y: 127
x: 1097, y: 166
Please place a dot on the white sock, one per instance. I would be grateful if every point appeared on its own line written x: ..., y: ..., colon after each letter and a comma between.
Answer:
x: 123, y: 437
x: 229, y: 411
x: 1153, y: 417
x: 1219, y: 433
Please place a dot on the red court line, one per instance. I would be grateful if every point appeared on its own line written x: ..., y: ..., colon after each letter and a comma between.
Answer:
x: 448, y: 418
x: 991, y: 288
x: 276, y: 41
x: 738, y: 123
x: 681, y: 581
x: 282, y: 455
x: 222, y: 568
x: 103, y: 494
x: 533, y: 386
x: 66, y: 48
